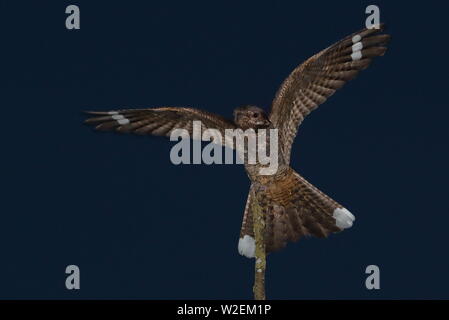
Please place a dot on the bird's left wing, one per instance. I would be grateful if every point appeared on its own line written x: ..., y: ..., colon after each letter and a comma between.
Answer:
x: 158, y: 121
x: 311, y: 83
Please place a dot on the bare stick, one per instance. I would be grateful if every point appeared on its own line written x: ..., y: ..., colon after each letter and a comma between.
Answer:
x: 260, y: 256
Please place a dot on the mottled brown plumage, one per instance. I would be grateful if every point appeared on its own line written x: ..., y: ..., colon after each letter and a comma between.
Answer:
x: 311, y: 83
x: 292, y: 206
x: 157, y: 121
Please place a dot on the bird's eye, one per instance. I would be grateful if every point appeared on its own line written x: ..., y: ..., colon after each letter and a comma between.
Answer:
x: 255, y: 115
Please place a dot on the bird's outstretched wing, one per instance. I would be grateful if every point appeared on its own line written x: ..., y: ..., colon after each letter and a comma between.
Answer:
x: 158, y: 121
x: 311, y: 83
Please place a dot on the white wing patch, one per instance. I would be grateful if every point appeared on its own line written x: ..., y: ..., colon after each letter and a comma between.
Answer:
x: 123, y: 121
x: 357, y: 48
x: 118, y: 117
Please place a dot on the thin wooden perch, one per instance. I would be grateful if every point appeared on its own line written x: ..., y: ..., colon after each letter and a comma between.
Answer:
x: 260, y: 255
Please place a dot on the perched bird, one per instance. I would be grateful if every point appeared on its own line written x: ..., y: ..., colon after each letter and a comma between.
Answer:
x: 292, y: 207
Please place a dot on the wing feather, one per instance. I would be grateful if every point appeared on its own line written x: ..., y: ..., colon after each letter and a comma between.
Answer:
x: 157, y: 121
x: 314, y: 81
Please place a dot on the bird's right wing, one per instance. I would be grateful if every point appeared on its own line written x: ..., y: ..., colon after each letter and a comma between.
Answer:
x: 314, y: 81
x: 158, y: 121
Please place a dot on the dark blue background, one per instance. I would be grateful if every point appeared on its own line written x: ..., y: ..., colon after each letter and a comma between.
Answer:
x: 140, y: 227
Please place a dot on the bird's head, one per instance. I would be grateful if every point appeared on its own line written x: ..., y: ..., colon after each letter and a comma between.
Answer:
x: 247, y: 117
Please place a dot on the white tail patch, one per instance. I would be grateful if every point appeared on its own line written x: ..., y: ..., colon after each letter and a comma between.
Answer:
x: 247, y: 246
x: 343, y: 218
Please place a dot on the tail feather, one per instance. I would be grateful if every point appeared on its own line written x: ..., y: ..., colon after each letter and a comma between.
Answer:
x: 293, y: 208
x: 281, y: 228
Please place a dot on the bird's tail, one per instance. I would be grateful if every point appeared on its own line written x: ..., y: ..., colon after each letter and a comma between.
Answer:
x: 292, y: 208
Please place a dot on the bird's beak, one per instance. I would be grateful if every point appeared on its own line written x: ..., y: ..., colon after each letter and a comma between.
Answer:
x: 264, y: 122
